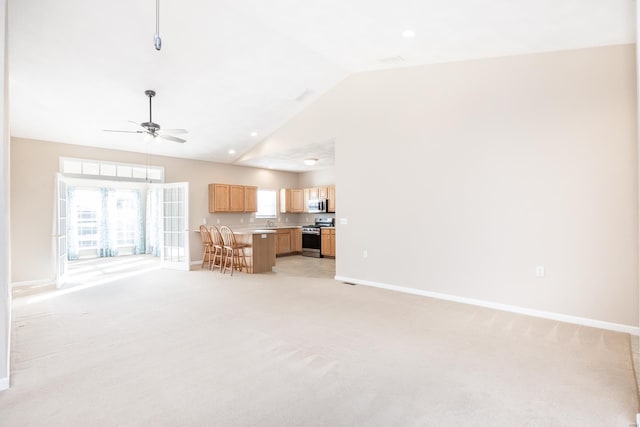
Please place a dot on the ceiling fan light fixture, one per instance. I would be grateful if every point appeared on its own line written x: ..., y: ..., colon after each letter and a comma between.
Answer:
x: 310, y: 161
x: 153, y: 129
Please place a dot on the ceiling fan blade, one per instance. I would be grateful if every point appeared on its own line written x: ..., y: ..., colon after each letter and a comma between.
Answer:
x: 135, y: 123
x: 123, y: 131
x: 173, y: 131
x: 172, y: 138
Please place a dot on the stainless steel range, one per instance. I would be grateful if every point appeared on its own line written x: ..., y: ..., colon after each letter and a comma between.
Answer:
x: 311, y: 241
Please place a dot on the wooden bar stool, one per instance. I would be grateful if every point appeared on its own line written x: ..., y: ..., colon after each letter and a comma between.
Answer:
x: 232, y: 251
x: 218, y: 247
x: 207, y: 246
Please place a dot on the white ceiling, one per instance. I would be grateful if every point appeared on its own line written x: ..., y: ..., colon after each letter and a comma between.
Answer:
x: 229, y: 68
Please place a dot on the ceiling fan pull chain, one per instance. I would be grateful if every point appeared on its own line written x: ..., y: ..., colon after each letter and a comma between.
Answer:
x: 157, y: 41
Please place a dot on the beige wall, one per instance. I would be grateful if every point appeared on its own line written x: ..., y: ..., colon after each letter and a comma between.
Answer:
x: 317, y: 178
x: 480, y: 171
x: 35, y: 164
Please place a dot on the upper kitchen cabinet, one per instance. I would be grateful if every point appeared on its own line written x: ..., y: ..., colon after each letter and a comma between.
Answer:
x: 297, y: 201
x: 250, y: 199
x: 322, y: 193
x: 313, y: 193
x: 331, y: 199
x: 232, y: 198
x: 218, y: 198
x: 236, y: 198
x: 291, y: 200
x: 305, y: 200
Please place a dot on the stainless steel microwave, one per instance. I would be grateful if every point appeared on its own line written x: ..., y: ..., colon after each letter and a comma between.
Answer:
x: 317, y: 206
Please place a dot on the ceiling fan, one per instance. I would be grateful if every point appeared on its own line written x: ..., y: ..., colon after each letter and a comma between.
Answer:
x: 151, y: 128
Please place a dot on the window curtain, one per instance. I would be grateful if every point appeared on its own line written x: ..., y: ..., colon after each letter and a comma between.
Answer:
x: 108, y: 245
x: 153, y: 218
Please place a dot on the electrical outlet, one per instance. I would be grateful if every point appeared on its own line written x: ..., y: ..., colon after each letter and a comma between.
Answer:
x: 540, y: 271
x: 365, y: 254
x: 218, y: 220
x: 250, y: 219
x: 344, y: 221
x: 241, y: 220
x: 204, y: 221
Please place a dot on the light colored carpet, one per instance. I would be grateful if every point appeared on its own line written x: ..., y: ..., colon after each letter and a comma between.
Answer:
x: 169, y: 348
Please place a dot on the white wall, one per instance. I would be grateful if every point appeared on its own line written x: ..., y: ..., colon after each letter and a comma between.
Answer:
x: 5, y: 240
x: 461, y: 178
x: 32, y: 189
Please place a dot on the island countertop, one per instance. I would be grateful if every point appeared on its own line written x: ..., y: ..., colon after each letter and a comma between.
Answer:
x: 256, y: 231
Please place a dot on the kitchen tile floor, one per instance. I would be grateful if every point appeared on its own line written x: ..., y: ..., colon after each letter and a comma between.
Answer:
x: 302, y: 266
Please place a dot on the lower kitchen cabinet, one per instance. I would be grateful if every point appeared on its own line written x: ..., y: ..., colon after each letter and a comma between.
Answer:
x: 283, y: 242
x: 328, y: 241
x: 288, y: 240
x: 296, y: 240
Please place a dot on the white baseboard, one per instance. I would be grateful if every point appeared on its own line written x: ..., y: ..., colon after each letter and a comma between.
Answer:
x: 4, y: 383
x: 633, y: 330
x: 33, y: 283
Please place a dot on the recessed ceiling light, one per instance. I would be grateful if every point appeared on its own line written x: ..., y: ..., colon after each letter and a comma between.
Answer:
x: 310, y: 161
x: 408, y: 34
x: 254, y: 133
x: 232, y: 151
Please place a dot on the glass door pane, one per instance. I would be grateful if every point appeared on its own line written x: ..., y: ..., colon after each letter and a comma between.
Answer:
x: 175, y: 225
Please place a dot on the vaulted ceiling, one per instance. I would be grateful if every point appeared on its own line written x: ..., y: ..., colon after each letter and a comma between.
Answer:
x: 233, y: 72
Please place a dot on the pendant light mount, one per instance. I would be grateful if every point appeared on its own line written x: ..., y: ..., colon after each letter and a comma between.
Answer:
x: 157, y: 41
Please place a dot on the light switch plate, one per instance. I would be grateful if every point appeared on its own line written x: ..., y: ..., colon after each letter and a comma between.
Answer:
x: 344, y: 221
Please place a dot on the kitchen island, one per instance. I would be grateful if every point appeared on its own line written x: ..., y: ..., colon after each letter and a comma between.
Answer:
x: 261, y: 256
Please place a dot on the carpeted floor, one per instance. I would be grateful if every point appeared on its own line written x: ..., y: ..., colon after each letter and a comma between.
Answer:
x: 170, y: 348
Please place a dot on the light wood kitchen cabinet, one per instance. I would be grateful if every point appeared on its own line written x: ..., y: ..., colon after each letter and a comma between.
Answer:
x: 306, y: 198
x: 285, y: 200
x: 291, y: 200
x: 236, y: 198
x: 218, y: 198
x: 331, y: 199
x: 283, y: 242
x: 328, y: 241
x: 296, y: 240
x: 322, y: 192
x: 250, y: 199
x: 297, y: 201
x: 232, y: 198
x: 288, y: 240
x: 313, y: 193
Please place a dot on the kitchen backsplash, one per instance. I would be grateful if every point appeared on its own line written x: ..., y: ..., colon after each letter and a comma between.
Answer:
x: 248, y: 220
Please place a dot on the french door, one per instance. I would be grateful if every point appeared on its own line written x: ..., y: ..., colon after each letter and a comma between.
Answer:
x: 60, y: 236
x: 174, y: 233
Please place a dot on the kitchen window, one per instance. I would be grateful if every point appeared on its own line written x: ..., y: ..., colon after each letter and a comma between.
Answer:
x: 267, y: 203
